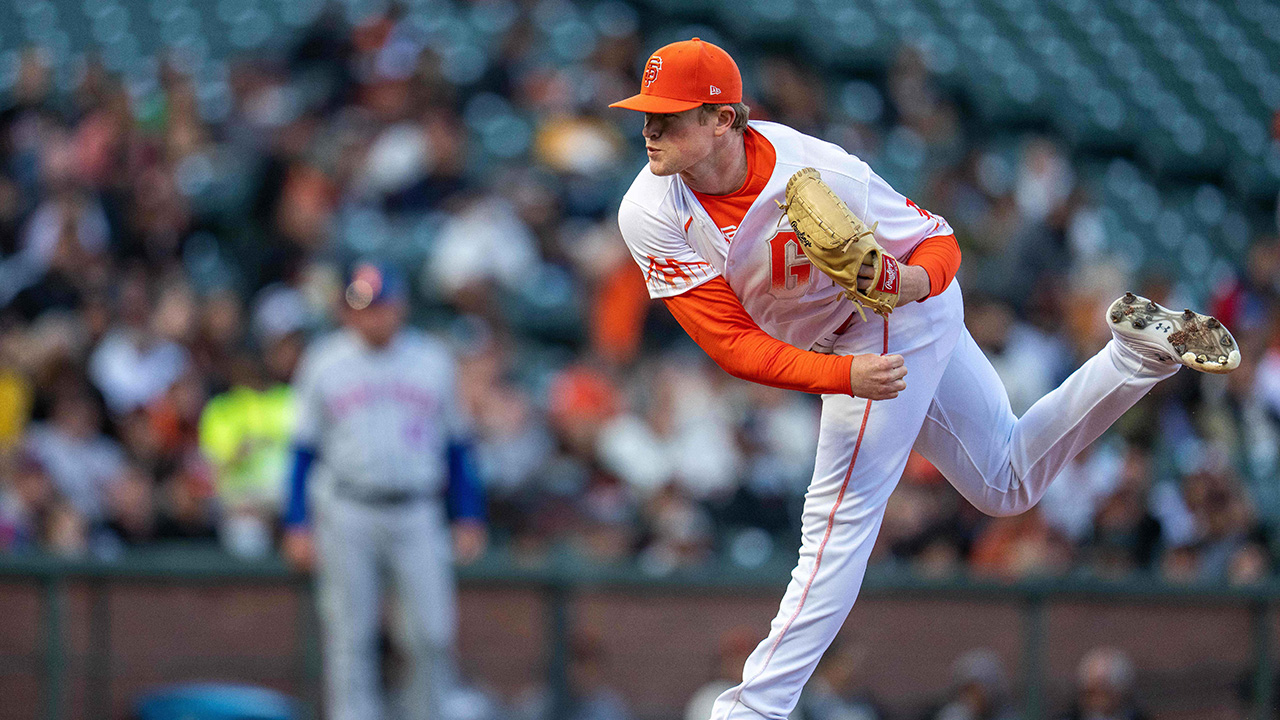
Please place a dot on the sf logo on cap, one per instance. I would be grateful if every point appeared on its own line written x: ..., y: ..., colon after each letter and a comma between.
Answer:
x: 651, y: 69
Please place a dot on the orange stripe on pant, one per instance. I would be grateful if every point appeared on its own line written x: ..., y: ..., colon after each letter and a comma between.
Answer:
x: 831, y: 521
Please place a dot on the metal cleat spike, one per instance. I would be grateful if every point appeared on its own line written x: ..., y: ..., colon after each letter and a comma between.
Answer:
x: 1130, y: 298
x: 1212, y: 323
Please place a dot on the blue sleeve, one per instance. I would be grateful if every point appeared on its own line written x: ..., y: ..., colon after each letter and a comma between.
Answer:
x: 465, y: 497
x: 296, y: 511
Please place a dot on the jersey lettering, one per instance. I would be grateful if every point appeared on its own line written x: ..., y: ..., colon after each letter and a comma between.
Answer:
x: 925, y: 214
x: 673, y: 272
x: 790, y: 269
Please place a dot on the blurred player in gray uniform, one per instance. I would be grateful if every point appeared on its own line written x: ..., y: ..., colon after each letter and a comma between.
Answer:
x: 380, y: 439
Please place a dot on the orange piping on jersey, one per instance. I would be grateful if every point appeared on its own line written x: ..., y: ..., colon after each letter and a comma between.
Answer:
x: 715, y: 319
x: 940, y: 257
x: 687, y: 223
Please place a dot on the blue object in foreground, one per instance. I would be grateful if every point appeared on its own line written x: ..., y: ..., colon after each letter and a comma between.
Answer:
x: 215, y: 701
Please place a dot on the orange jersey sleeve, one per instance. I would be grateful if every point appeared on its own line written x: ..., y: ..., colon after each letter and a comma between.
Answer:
x: 715, y: 319
x: 940, y: 257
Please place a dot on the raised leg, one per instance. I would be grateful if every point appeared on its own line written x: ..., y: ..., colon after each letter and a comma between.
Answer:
x: 1003, y: 464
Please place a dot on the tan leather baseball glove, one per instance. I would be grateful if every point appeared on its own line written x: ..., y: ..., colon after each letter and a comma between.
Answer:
x: 839, y: 244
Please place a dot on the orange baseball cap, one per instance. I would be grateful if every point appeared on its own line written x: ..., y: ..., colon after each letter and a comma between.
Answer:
x: 683, y: 76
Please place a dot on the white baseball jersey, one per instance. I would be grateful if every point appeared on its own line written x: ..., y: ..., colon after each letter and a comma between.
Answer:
x: 954, y: 410
x: 380, y: 419
x: 679, y: 247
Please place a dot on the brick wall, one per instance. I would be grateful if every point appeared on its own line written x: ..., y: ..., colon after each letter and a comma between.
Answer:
x: 658, y: 646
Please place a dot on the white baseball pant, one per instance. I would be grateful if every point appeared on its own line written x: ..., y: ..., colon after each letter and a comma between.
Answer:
x: 357, y: 546
x: 955, y: 413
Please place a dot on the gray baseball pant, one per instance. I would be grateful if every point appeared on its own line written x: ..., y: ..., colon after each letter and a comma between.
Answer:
x: 359, y: 546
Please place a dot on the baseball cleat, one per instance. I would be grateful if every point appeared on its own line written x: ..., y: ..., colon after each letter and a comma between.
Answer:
x: 1153, y: 331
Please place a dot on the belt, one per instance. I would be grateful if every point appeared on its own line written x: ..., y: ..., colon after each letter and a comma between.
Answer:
x: 828, y: 342
x: 846, y: 324
x: 374, y: 496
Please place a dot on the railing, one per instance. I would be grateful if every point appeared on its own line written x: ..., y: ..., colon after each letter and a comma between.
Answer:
x: 560, y: 581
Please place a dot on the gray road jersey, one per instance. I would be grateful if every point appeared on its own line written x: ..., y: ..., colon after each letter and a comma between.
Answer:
x: 380, y: 419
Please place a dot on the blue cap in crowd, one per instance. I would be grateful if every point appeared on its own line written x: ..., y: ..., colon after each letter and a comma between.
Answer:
x: 371, y: 283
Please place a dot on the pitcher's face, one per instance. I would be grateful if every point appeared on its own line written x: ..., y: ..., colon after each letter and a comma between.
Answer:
x: 676, y: 142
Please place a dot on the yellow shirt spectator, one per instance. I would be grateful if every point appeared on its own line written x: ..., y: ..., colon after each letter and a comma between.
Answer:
x: 245, y: 432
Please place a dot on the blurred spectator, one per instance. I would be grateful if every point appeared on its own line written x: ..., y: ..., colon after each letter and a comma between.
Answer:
x: 1125, y: 535
x: 135, y: 363
x: 1248, y: 300
x: 1224, y: 521
x: 1044, y: 180
x: 62, y: 250
x: 16, y: 393
x: 683, y: 436
x: 1029, y: 362
x: 607, y: 522
x: 679, y: 532
x: 734, y: 647
x: 837, y: 690
x: 484, y: 243
x: 245, y: 433
x: 926, y: 523
x: 185, y: 502
x: 980, y: 689
x: 133, y: 507
x: 1073, y: 500
x: 82, y: 463
x: 1104, y: 687
x: 590, y: 696
x: 33, y: 516
x: 514, y: 442
x: 1020, y: 545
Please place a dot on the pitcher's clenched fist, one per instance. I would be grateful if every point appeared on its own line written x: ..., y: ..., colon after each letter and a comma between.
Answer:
x: 877, y: 377
x: 915, y: 282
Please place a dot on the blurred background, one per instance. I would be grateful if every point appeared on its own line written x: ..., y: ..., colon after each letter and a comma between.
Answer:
x: 182, y: 181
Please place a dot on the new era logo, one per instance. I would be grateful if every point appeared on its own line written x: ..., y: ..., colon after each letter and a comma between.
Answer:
x: 715, y: 90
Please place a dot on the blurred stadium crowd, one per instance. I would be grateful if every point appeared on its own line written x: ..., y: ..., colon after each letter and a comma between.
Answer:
x: 167, y: 250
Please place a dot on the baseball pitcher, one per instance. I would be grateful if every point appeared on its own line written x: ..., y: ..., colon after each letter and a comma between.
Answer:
x: 768, y: 246
x: 382, y: 443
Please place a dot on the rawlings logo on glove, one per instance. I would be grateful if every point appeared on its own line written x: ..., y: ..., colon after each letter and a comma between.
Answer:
x: 889, y: 277
x: 839, y: 244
